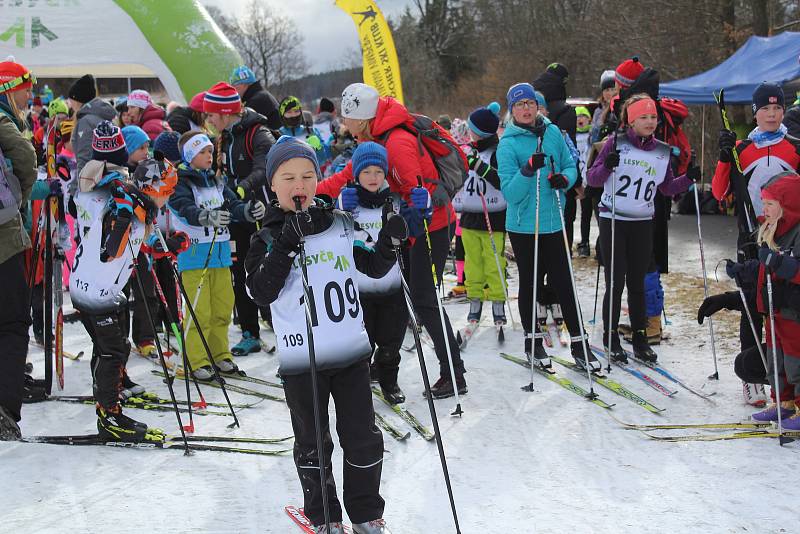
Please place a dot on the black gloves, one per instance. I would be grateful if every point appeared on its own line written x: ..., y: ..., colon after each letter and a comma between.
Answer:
x: 534, y: 163
x: 296, y: 226
x: 395, y: 229
x: 728, y: 301
x: 693, y: 173
x: 611, y: 161
x: 558, y: 181
x: 727, y: 142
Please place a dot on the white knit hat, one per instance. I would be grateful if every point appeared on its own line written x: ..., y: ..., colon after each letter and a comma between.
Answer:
x: 139, y: 99
x: 359, y: 101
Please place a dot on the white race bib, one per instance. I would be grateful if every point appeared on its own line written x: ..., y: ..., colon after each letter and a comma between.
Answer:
x: 468, y: 198
x: 207, y: 198
x: 370, y: 223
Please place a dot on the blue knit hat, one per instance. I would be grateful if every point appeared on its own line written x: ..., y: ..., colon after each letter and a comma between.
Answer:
x: 134, y: 138
x: 367, y: 154
x: 520, y: 91
x: 485, y: 121
x: 242, y: 74
x: 286, y: 148
x: 167, y: 144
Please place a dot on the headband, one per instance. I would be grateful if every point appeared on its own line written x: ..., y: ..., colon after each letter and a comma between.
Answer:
x: 194, y: 146
x: 645, y: 106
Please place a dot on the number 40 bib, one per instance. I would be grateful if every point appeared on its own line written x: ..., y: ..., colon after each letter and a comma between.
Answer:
x: 637, y: 177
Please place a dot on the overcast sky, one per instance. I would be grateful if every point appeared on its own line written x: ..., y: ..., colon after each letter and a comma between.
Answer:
x: 328, y: 31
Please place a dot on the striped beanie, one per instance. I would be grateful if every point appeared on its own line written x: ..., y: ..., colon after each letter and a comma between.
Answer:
x: 222, y: 98
x: 108, y: 144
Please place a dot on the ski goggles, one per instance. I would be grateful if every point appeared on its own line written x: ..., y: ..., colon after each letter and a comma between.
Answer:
x: 15, y: 83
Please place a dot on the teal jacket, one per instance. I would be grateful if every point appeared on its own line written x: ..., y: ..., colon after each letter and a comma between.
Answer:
x: 514, y: 150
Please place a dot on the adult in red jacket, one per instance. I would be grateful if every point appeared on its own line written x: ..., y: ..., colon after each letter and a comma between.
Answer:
x: 146, y: 115
x: 370, y: 117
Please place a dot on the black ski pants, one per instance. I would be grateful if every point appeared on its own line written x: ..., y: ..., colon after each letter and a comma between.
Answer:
x: 633, y: 253
x: 553, y: 263
x: 749, y: 367
x: 15, y: 320
x: 588, y: 208
x: 570, y: 213
x: 110, y: 350
x: 360, y: 439
x: 386, y: 319
x: 425, y: 298
x: 246, y: 309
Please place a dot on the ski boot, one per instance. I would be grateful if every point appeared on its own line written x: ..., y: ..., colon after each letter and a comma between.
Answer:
x: 583, y: 249
x: 130, y: 388
x: 336, y: 528
x: 443, y: 388
x: 540, y: 358
x: 393, y: 393
x: 792, y: 423
x: 770, y: 414
x: 475, y: 310
x: 473, y: 318
x: 754, y: 394
x: 641, y: 348
x: 247, y: 345
x: 203, y: 374
x: 615, y: 352
x: 577, y: 349
x: 9, y: 429
x: 33, y: 390
x: 377, y: 526
x: 499, y: 313
x: 147, y: 348
x: 115, y: 426
x: 228, y: 367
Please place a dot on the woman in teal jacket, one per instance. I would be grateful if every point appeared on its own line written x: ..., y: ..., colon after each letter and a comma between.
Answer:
x: 532, y: 153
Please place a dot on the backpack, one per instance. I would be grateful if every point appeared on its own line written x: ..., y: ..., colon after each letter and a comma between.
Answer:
x: 675, y: 112
x: 449, y: 159
x: 10, y: 191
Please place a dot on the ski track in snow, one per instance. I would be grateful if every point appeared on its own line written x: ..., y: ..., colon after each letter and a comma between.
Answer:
x: 540, y: 462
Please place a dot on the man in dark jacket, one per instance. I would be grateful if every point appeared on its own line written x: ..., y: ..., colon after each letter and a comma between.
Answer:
x: 15, y: 89
x: 90, y: 111
x: 552, y: 83
x: 791, y: 119
x: 254, y: 95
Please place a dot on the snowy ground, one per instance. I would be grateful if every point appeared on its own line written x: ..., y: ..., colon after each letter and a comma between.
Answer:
x: 546, y: 461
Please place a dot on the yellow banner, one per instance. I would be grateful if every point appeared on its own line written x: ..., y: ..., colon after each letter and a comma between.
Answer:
x: 381, y: 68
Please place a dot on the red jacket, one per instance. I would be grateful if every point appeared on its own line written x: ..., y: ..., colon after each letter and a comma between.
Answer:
x: 786, y: 190
x: 406, y: 161
x: 153, y: 122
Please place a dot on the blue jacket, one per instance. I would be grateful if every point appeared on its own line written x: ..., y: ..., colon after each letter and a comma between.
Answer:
x: 513, y: 152
x: 182, y: 205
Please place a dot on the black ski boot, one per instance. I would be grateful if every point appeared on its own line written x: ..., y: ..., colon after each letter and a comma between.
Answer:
x: 583, y: 249
x: 33, y: 390
x: 540, y: 357
x: 9, y: 429
x: 577, y: 350
x: 130, y: 388
x: 393, y: 393
x: 641, y: 348
x: 113, y: 425
x: 617, y: 353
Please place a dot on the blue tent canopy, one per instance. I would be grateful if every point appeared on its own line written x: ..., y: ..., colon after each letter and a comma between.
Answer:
x: 773, y: 59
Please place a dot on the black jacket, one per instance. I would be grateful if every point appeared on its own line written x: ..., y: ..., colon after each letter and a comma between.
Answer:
x: 792, y: 121
x: 262, y: 101
x: 245, y: 154
x: 181, y: 119
x: 269, y: 261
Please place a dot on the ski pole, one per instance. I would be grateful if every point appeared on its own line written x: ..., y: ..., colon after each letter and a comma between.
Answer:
x: 437, y: 286
x: 48, y: 297
x: 534, y: 328
x: 596, y: 290
x: 715, y: 375
x: 567, y: 249
x: 187, y: 451
x: 610, y: 266
x: 720, y: 98
x: 500, y: 272
x: 312, y: 360
x: 181, y: 344
x: 190, y: 308
x: 781, y: 439
x: 750, y: 321
x: 426, y: 381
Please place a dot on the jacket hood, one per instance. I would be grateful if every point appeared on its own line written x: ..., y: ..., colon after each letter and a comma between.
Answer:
x: 153, y: 112
x: 785, y: 188
x: 390, y: 114
x: 551, y: 86
x: 98, y: 107
x: 514, y: 130
x: 249, y: 118
x: 254, y: 88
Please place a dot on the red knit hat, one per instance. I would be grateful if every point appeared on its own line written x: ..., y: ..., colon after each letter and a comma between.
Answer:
x: 628, y: 71
x: 222, y: 98
x: 14, y: 77
x: 196, y: 104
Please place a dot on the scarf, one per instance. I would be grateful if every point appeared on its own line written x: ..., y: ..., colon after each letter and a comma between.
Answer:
x: 764, y: 139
